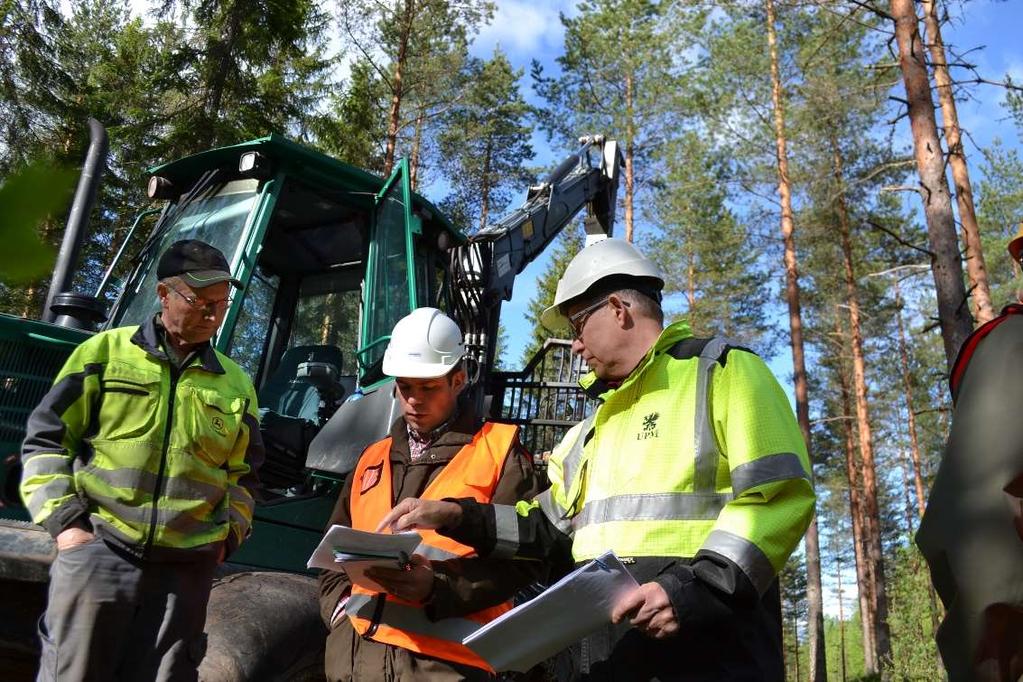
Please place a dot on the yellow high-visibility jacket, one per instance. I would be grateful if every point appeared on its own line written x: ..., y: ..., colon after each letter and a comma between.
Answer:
x: 161, y: 462
x: 688, y: 454
x: 695, y: 473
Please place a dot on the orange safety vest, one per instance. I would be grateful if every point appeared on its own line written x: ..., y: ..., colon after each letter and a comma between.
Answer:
x: 472, y: 472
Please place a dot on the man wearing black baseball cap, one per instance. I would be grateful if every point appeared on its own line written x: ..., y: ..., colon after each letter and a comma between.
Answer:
x: 141, y: 462
x: 194, y: 293
x: 197, y: 263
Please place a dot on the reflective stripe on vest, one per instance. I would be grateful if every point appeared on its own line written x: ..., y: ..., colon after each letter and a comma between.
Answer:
x: 472, y: 472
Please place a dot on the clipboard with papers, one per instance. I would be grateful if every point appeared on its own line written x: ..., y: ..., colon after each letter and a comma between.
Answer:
x: 563, y: 614
x: 356, y: 551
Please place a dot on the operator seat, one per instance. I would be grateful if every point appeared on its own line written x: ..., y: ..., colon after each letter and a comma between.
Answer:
x: 305, y: 379
x: 301, y: 395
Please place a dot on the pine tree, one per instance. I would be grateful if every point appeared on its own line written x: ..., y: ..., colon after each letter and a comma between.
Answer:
x: 352, y: 129
x: 249, y: 68
x: 704, y: 249
x: 618, y: 76
x: 485, y: 141
x: 410, y: 44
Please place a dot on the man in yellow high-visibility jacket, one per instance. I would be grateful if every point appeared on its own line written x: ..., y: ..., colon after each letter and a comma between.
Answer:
x: 141, y: 461
x: 692, y: 469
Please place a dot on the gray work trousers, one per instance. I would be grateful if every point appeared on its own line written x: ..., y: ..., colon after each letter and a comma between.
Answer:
x: 111, y: 617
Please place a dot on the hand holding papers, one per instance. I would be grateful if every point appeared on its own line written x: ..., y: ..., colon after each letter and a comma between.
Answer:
x: 566, y: 612
x: 355, y: 552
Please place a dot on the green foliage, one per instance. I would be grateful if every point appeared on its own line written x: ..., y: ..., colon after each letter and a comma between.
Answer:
x: 501, y: 348
x: 417, y: 50
x: 703, y: 247
x: 249, y: 67
x: 914, y: 654
x: 999, y: 214
x: 485, y: 141
x: 352, y: 129
x: 31, y: 195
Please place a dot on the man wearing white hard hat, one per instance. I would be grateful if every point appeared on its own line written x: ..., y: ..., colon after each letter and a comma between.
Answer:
x: 438, y: 448
x: 692, y: 469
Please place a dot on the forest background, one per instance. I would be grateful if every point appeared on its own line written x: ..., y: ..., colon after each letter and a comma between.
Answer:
x: 769, y: 154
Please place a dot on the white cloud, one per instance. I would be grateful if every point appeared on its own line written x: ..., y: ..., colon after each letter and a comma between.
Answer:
x: 523, y: 29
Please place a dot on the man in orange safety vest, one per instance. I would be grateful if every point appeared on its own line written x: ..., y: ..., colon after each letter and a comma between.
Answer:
x: 438, y: 449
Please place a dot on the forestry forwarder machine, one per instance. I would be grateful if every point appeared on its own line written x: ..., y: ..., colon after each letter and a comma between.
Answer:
x: 331, y: 257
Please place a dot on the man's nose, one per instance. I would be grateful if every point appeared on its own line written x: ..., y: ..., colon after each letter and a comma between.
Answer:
x: 578, y: 346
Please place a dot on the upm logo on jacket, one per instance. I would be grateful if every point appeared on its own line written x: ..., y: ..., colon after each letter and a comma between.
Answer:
x: 649, y: 427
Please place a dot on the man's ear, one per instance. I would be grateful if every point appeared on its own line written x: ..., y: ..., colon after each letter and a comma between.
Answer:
x: 161, y: 293
x: 623, y: 316
x: 459, y: 380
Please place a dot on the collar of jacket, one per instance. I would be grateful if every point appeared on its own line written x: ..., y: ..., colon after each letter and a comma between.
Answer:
x: 600, y: 390
x: 458, y: 435
x: 147, y: 337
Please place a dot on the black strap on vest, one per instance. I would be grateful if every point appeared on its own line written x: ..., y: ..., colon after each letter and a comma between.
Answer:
x: 692, y: 347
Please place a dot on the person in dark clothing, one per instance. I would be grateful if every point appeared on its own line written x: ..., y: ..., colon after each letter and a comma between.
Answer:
x: 439, y: 446
x: 971, y: 533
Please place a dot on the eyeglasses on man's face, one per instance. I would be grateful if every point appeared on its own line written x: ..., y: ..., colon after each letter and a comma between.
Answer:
x: 202, y: 304
x: 578, y: 318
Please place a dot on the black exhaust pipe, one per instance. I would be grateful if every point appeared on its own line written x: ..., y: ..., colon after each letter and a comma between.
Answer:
x: 74, y: 233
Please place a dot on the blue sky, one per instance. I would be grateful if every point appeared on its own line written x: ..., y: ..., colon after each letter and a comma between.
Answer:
x: 526, y: 31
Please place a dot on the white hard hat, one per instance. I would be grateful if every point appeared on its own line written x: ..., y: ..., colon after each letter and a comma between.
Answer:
x: 424, y: 344
x: 607, y: 258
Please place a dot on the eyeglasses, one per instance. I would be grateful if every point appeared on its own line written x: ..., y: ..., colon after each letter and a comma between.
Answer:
x: 202, y: 304
x: 578, y: 319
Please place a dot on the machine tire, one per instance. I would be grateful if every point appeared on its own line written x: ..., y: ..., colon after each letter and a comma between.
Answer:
x: 263, y: 626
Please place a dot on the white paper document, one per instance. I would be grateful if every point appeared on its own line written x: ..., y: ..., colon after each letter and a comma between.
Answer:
x: 567, y: 611
x: 355, y: 551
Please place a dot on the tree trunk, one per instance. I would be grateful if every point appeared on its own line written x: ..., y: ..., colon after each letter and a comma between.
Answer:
x: 417, y: 142
x: 914, y: 444
x: 221, y: 50
x: 871, y: 515
x: 973, y: 252
x: 691, y: 281
x: 630, y: 146
x: 795, y: 643
x: 953, y: 313
x: 814, y: 596
x: 397, y: 93
x: 485, y: 190
x: 864, y: 577
x: 841, y: 624
x: 907, y: 497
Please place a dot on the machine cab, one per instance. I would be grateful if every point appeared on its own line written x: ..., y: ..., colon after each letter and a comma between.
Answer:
x: 331, y: 258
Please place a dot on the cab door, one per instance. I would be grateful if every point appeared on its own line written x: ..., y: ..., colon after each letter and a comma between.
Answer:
x: 392, y: 288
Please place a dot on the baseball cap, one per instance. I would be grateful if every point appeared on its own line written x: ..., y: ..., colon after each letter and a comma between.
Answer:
x: 195, y: 262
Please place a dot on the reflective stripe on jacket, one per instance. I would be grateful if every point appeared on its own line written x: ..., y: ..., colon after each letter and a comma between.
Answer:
x: 692, y: 452
x: 474, y: 473
x: 159, y: 459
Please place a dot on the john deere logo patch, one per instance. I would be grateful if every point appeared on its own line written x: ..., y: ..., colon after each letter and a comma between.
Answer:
x: 218, y: 424
x: 649, y: 427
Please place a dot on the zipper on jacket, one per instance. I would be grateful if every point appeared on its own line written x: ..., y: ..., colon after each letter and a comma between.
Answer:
x: 163, y: 462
